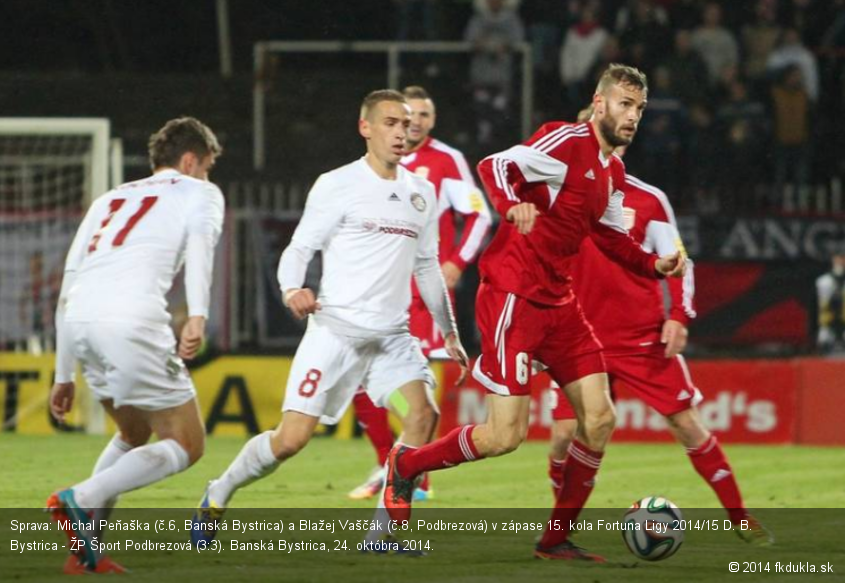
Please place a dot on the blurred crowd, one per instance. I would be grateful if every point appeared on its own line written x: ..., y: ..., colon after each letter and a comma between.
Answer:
x: 743, y: 97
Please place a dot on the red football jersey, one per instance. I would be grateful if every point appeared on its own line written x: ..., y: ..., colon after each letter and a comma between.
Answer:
x: 562, y: 171
x: 457, y: 194
x: 625, y: 309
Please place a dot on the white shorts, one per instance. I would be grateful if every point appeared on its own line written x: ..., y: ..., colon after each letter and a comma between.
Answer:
x: 131, y: 364
x: 328, y: 368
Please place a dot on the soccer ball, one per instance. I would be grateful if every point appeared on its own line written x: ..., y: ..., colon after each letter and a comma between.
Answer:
x: 660, y: 532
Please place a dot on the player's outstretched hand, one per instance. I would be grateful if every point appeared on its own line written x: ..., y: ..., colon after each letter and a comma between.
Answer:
x: 523, y: 216
x: 456, y: 352
x: 674, y: 336
x: 61, y: 400
x: 192, y: 337
x: 674, y: 265
x: 301, y: 302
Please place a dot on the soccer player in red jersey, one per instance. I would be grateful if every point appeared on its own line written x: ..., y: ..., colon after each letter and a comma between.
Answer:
x: 459, y: 200
x: 553, y: 192
x: 642, y: 347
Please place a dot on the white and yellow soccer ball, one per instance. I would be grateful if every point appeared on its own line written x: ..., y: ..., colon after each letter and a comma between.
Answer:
x: 653, y: 529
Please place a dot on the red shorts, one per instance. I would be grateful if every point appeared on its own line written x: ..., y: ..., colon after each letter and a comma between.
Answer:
x: 663, y: 383
x: 516, y: 331
x: 422, y: 326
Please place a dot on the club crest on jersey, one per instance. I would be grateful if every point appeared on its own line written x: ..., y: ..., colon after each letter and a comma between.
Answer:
x: 418, y: 201
x: 629, y: 217
x: 422, y: 171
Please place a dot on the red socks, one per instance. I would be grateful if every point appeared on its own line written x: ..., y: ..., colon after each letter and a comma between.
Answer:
x: 373, y: 420
x: 710, y: 462
x: 579, y: 473
x: 453, y: 449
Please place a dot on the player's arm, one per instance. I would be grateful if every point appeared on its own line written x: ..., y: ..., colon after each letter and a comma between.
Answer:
x: 510, y: 178
x: 434, y: 292
x: 467, y: 199
x: 323, y: 213
x: 62, y: 394
x: 611, y: 236
x: 205, y: 223
x: 663, y: 238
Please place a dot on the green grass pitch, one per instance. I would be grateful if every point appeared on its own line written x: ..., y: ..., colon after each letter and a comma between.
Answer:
x: 798, y: 478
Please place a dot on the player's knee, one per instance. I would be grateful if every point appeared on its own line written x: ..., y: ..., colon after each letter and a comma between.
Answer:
x: 136, y: 436
x: 508, y: 440
x: 599, y: 426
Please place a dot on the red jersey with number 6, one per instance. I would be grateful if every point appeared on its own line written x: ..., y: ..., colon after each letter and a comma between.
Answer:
x: 577, y: 191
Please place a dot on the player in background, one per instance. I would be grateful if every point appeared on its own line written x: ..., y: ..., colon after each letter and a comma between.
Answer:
x: 458, y: 199
x: 642, y: 347
x: 376, y: 225
x: 553, y: 191
x: 112, y: 318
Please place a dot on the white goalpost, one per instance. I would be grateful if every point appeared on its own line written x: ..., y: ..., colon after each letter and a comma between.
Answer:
x: 51, y: 169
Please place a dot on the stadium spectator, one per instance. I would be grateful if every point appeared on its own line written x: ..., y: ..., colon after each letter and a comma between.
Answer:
x: 546, y: 22
x: 526, y: 309
x: 702, y: 162
x: 715, y: 43
x: 417, y: 19
x: 742, y: 127
x: 830, y: 291
x: 461, y: 203
x: 792, y: 131
x: 111, y: 317
x: 662, y: 131
x: 376, y: 224
x: 580, y: 50
x: 641, y: 22
x: 684, y: 14
x: 493, y: 33
x: 791, y: 52
x: 759, y: 39
x: 687, y: 69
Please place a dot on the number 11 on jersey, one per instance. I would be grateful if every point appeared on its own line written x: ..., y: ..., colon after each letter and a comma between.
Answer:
x: 115, y: 205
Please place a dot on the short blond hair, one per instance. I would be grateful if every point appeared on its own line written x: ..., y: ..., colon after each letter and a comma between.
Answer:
x: 415, y: 92
x: 373, y: 98
x: 585, y: 114
x: 617, y: 74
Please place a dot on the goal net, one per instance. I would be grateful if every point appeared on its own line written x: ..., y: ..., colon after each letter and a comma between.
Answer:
x: 50, y: 171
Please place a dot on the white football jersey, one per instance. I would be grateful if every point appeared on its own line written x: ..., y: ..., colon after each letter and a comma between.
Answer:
x: 132, y: 243
x: 371, y: 231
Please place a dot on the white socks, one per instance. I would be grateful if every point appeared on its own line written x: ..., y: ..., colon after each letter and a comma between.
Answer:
x: 255, y: 461
x: 112, y: 452
x: 137, y: 468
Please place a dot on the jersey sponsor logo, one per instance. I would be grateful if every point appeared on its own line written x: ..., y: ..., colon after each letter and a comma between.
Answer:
x: 423, y: 171
x: 393, y: 196
x: 590, y: 174
x: 369, y: 225
x: 418, y: 201
x: 629, y: 217
x: 399, y: 231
